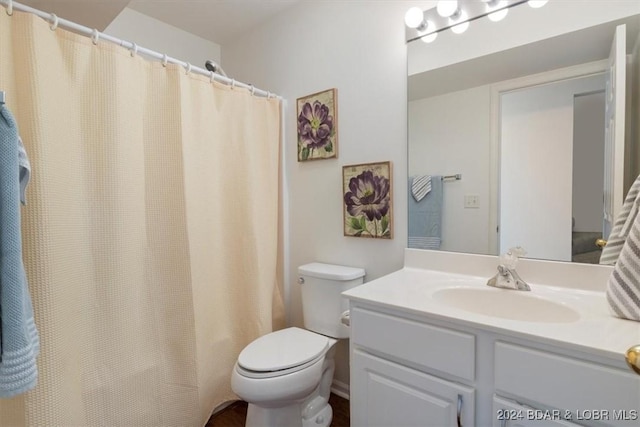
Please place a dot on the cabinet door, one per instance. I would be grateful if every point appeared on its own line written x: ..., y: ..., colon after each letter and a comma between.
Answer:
x: 387, y: 394
x: 508, y: 413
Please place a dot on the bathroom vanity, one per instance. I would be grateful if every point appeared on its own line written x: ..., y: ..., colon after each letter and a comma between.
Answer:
x: 432, y: 345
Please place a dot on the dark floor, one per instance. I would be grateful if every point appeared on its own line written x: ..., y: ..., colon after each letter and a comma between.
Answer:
x: 235, y: 414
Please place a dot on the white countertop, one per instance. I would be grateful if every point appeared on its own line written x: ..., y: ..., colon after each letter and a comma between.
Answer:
x: 595, y: 330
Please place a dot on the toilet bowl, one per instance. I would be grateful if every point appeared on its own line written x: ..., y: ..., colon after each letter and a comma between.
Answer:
x: 279, y: 391
x: 285, y: 376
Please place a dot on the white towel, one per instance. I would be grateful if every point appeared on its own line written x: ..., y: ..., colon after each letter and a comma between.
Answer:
x: 421, y: 186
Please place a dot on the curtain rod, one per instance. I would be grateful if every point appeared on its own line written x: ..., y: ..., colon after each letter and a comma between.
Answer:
x: 96, y: 35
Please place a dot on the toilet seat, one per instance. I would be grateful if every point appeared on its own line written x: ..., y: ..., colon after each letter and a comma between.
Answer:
x: 281, y: 353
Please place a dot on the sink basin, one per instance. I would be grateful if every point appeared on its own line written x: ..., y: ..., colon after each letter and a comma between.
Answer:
x: 507, y: 304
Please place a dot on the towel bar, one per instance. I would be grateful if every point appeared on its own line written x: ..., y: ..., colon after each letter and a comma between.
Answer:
x: 457, y: 177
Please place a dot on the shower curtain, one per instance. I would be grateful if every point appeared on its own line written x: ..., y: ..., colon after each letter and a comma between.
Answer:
x: 151, y: 231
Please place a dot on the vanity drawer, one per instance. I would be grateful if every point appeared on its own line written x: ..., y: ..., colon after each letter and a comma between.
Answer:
x: 581, y: 387
x: 445, y: 350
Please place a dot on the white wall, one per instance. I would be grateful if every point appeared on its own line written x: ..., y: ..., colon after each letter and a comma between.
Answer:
x: 536, y: 162
x: 358, y: 48
x: 148, y: 32
x: 450, y: 134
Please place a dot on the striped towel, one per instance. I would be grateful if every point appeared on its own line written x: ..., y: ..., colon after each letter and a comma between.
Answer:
x: 623, y: 288
x: 622, y: 226
x: 420, y: 186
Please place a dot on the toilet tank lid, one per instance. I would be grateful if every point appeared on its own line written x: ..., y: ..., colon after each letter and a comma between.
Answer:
x: 330, y: 271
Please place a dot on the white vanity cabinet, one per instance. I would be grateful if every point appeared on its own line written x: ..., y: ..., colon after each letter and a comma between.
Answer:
x: 413, y: 369
x: 409, y: 373
x: 400, y: 396
x: 567, y: 385
x: 512, y: 414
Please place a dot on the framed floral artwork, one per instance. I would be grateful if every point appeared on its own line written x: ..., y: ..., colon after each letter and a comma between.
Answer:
x: 318, y: 126
x: 367, y: 210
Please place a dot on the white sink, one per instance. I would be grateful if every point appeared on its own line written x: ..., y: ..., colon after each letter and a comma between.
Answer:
x: 506, y: 304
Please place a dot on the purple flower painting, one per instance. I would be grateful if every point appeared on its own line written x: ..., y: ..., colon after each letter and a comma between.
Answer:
x: 367, y: 200
x: 317, y: 126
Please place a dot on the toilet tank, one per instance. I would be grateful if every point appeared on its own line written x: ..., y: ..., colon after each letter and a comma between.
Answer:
x: 322, y: 303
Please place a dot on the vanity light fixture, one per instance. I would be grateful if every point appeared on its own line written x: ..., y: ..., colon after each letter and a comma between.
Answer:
x: 447, y: 8
x: 456, y: 15
x: 537, y: 3
x: 497, y: 9
x: 414, y: 18
x: 459, y: 22
x: 431, y: 32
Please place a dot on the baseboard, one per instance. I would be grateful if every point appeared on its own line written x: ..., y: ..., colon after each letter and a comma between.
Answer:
x: 341, y: 389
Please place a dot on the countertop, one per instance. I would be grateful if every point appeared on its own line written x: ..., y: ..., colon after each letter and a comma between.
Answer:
x: 595, y: 330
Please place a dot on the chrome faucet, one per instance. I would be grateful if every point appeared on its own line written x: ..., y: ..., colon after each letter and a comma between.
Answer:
x: 507, y: 277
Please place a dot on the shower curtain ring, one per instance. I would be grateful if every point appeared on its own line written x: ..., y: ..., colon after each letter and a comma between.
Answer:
x: 212, y: 76
x: 9, y: 8
x: 54, y: 22
x: 233, y: 83
x: 268, y: 95
x: 95, y: 36
x: 188, y: 68
x: 253, y: 90
x: 134, y: 49
x: 165, y: 60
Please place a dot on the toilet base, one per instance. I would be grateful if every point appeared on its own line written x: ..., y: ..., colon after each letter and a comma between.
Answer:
x: 288, y: 416
x: 321, y: 419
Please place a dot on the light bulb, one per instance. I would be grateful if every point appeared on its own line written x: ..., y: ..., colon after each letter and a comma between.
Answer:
x: 464, y: 24
x: 429, y: 37
x: 446, y: 8
x: 537, y: 3
x: 414, y: 17
x: 499, y: 15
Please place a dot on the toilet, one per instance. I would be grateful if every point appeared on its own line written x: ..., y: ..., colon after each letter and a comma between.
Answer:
x: 286, y: 376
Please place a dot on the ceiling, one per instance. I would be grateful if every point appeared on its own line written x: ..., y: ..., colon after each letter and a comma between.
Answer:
x: 218, y: 21
x: 90, y: 13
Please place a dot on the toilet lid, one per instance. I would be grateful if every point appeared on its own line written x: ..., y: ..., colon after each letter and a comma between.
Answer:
x: 282, y: 349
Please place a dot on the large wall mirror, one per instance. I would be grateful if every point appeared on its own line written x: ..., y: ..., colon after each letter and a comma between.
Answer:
x: 519, y: 145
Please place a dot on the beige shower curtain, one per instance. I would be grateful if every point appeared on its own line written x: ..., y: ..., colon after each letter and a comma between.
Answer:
x: 150, y: 234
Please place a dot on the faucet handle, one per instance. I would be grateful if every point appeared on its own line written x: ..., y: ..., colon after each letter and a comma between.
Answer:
x: 517, y: 251
x: 510, y: 259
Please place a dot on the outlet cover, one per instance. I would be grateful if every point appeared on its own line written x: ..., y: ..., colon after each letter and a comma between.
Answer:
x: 471, y: 201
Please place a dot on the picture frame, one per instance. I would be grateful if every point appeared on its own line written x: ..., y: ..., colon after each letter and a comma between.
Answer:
x: 367, y: 200
x: 317, y: 122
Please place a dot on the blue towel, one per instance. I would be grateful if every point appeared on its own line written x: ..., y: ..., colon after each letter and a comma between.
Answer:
x: 425, y: 217
x: 19, y: 341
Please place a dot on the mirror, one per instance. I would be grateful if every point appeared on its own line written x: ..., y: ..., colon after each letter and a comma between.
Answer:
x: 497, y: 123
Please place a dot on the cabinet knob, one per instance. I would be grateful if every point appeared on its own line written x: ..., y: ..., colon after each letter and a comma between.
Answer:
x: 633, y: 358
